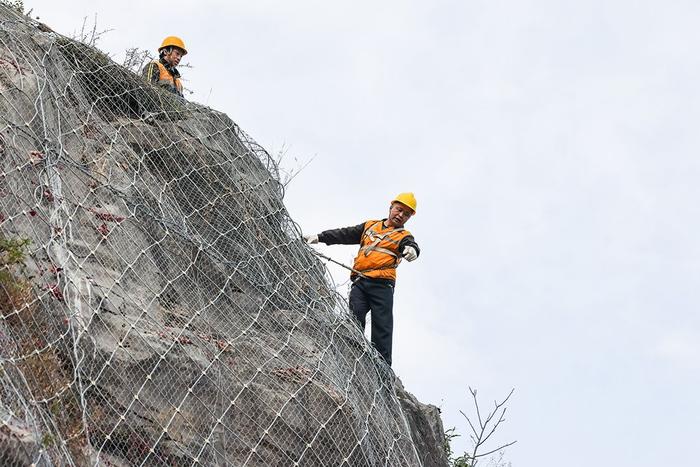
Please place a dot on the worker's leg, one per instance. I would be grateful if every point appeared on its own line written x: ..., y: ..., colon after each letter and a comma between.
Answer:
x: 381, y: 301
x: 359, y: 303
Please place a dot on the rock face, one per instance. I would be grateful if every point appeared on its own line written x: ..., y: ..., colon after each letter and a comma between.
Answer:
x: 158, y: 307
x: 426, y: 428
x: 18, y: 446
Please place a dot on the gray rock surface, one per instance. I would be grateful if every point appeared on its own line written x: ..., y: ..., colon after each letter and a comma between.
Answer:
x: 166, y: 312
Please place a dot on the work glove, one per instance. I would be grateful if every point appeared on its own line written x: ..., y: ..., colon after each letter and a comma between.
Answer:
x: 409, y: 253
x: 311, y: 239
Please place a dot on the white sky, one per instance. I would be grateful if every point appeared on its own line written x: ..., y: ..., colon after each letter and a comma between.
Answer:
x: 553, y: 149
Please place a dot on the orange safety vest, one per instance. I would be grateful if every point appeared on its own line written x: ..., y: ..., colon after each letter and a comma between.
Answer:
x: 379, y: 254
x: 166, y: 79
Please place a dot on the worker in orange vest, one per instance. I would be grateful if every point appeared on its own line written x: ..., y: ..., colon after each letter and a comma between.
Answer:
x: 163, y: 72
x: 383, y: 243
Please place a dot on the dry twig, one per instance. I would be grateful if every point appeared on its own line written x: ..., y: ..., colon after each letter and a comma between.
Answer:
x: 485, y: 428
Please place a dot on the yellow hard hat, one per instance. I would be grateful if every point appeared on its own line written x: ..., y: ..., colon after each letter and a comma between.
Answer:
x: 407, y: 199
x: 173, y: 41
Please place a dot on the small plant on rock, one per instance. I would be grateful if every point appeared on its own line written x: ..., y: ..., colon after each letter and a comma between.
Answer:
x: 13, y: 290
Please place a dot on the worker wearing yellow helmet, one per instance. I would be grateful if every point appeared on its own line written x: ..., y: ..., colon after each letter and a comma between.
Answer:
x: 163, y: 72
x: 383, y: 243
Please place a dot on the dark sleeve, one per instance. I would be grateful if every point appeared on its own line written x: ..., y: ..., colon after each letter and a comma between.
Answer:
x: 151, y: 73
x: 408, y: 240
x: 345, y: 236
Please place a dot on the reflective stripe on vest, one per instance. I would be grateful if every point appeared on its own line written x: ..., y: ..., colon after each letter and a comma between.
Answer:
x: 167, y: 80
x: 378, y: 256
x: 377, y: 237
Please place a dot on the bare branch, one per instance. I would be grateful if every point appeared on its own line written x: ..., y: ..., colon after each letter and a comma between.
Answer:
x: 135, y: 58
x: 485, y: 428
x: 87, y: 36
x: 497, y: 449
x: 470, y: 423
x: 287, y: 175
x: 494, y: 427
x: 476, y: 404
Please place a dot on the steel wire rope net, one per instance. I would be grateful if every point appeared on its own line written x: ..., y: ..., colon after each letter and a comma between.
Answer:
x: 158, y: 307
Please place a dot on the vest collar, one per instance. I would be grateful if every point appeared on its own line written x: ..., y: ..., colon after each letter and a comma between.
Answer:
x: 384, y: 226
x: 173, y: 71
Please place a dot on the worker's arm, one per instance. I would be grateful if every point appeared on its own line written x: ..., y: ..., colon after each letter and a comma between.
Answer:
x: 409, y: 241
x: 151, y: 73
x: 345, y: 236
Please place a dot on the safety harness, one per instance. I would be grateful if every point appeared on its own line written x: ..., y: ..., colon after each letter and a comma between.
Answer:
x: 168, y: 77
x: 376, y: 237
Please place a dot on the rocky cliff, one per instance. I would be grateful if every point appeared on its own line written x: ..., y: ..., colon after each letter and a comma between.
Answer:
x: 158, y: 307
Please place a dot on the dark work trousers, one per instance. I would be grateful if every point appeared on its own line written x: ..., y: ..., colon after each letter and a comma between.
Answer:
x: 376, y: 295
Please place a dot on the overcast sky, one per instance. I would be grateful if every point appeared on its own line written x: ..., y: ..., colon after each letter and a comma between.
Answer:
x: 553, y: 149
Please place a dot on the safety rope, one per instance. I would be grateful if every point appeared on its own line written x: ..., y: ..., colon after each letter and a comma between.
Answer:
x: 349, y: 268
x: 340, y: 264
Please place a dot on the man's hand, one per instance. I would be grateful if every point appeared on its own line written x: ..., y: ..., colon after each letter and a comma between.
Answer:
x: 311, y: 239
x: 409, y: 253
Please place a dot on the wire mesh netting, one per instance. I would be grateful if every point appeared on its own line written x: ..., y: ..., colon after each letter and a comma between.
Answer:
x: 158, y: 306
